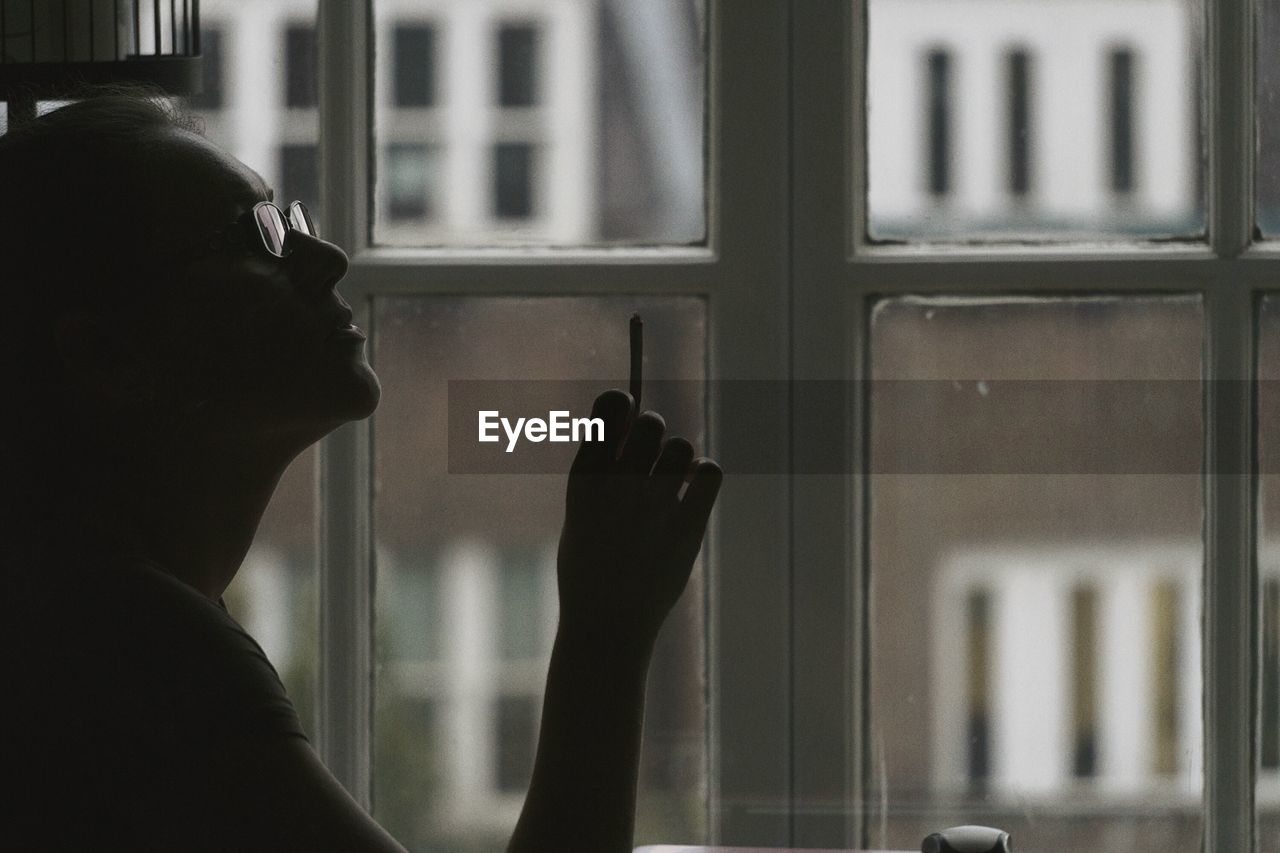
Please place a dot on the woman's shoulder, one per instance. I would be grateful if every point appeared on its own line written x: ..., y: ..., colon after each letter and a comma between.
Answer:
x: 73, y: 592
x: 148, y: 646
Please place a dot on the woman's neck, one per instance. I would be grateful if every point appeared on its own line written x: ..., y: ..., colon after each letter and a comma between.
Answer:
x: 195, y: 513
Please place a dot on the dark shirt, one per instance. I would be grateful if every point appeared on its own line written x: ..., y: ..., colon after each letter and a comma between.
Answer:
x: 123, y: 686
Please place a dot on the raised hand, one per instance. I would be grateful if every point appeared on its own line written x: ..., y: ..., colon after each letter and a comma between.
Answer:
x: 630, y: 538
x: 628, y: 545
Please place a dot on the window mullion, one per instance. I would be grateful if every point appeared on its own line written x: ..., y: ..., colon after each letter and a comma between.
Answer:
x: 1229, y: 87
x: 827, y: 326
x: 1230, y: 549
x: 749, y: 327
x: 1230, y: 524
x: 345, y: 504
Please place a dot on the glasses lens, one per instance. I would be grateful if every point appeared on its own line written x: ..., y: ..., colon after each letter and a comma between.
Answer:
x: 300, y: 217
x: 272, y: 227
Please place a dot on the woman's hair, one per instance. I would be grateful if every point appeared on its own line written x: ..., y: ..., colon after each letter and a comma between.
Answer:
x: 78, y: 201
x: 76, y: 186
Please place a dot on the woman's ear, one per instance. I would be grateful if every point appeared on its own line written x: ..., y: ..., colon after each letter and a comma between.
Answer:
x: 100, y: 360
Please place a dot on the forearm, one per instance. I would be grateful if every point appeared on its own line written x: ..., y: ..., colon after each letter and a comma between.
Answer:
x: 582, y: 796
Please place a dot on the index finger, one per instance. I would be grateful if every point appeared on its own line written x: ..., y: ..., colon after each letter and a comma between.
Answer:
x: 614, y: 408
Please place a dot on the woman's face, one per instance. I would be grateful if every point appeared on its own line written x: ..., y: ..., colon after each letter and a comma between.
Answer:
x: 248, y: 339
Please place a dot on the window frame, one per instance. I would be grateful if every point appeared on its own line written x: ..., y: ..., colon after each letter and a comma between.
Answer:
x: 789, y: 285
x: 740, y: 273
x: 840, y: 274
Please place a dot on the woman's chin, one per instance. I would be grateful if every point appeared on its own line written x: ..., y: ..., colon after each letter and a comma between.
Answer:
x: 358, y: 396
x: 352, y: 395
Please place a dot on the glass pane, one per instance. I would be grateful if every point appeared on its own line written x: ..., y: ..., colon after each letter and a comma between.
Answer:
x: 1268, y: 117
x: 259, y: 100
x: 1036, y: 571
x: 275, y: 593
x: 1070, y: 120
x: 466, y: 598
x: 1268, y: 791
x: 552, y: 122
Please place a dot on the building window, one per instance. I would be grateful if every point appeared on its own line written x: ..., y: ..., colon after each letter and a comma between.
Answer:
x: 517, y: 65
x: 211, y: 49
x: 415, y: 62
x: 300, y: 66
x: 513, y: 180
x: 1018, y: 67
x: 411, y: 758
x: 1165, y: 658
x: 1121, y: 70
x: 1084, y: 681
x: 978, y: 720
x: 298, y: 176
x: 939, y: 121
x: 522, y: 604
x: 516, y: 739
x: 411, y: 181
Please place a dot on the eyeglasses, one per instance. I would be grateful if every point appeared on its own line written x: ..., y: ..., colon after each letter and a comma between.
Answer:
x: 263, y: 227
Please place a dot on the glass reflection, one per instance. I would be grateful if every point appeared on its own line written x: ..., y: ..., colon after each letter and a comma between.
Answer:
x: 551, y: 123
x: 1076, y: 119
x: 1035, y: 636
x: 465, y: 587
x: 1267, y: 795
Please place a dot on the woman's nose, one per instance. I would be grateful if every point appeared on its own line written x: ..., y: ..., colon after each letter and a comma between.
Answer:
x: 314, y: 262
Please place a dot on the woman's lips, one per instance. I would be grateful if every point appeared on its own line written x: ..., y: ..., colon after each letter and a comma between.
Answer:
x: 349, y: 332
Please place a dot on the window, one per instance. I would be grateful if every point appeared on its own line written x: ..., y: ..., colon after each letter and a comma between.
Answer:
x: 991, y: 548
x: 978, y: 665
x: 415, y: 65
x: 513, y: 180
x: 1122, y: 596
x: 412, y: 182
x: 211, y: 50
x: 939, y: 122
x: 1121, y: 120
x: 1084, y: 681
x: 300, y: 65
x: 517, y: 738
x: 1019, y: 122
x: 517, y: 65
x: 465, y: 607
x: 298, y: 174
x: 1038, y: 120
x: 553, y: 123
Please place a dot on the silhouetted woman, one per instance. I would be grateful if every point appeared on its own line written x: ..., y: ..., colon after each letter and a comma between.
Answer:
x: 173, y: 342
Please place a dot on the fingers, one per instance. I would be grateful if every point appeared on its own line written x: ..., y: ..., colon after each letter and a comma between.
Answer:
x: 643, y: 444
x: 614, y: 408
x: 698, y: 500
x: 669, y: 472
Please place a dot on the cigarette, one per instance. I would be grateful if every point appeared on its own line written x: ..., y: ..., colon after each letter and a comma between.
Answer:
x: 637, y: 358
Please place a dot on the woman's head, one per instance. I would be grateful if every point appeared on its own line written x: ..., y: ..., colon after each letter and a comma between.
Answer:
x: 135, y: 327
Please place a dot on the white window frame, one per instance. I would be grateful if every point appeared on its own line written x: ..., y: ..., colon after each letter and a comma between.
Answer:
x: 788, y: 288
x: 741, y: 274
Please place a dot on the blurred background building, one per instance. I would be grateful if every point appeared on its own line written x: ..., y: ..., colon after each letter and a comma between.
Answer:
x: 539, y: 121
x: 1003, y: 118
